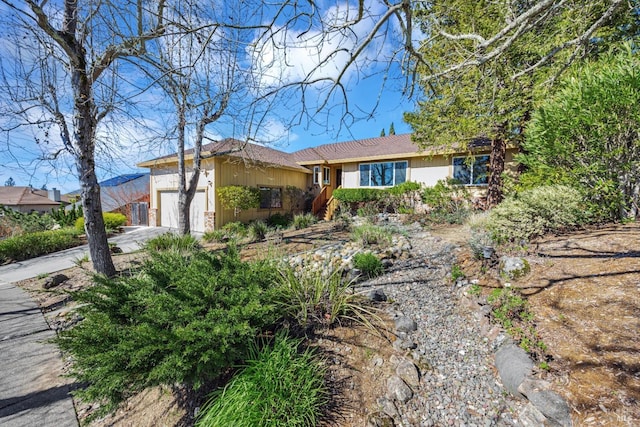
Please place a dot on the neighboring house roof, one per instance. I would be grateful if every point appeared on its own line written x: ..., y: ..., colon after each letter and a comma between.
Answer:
x: 27, y: 196
x: 236, y: 149
x: 121, y: 190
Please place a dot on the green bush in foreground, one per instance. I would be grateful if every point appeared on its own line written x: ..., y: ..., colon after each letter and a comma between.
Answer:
x: 279, y: 387
x: 31, y: 245
x: 181, y: 319
x: 112, y: 221
x: 368, y: 263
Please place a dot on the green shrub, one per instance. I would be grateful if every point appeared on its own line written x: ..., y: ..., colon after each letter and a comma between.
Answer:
x: 181, y: 319
x: 448, y: 202
x: 312, y: 299
x: 31, y: 245
x: 13, y: 223
x: 214, y: 236
x: 239, y: 198
x: 279, y: 220
x: 304, y: 220
x: 67, y: 217
x: 368, y: 263
x: 404, y: 188
x: 279, y: 387
x: 535, y: 212
x: 370, y: 234
x: 258, y: 230
x: 112, y: 221
x: 172, y: 241
x: 355, y: 195
x: 235, y: 230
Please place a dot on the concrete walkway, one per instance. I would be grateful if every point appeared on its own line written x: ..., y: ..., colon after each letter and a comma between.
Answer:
x: 32, y: 389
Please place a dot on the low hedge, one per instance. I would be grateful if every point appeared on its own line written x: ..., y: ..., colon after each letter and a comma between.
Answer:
x: 31, y: 245
x: 355, y: 195
x: 112, y: 221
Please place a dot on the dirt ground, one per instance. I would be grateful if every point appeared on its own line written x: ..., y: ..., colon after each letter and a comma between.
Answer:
x: 583, y: 288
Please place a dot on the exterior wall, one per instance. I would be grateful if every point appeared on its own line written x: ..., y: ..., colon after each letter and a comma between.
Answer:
x: 425, y: 170
x: 237, y: 173
x: 165, y: 178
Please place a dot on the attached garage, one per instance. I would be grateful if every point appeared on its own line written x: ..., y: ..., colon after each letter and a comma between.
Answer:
x: 169, y: 210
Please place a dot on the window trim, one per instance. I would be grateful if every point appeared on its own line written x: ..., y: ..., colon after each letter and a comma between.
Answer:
x: 471, y: 178
x: 406, y: 168
x: 316, y: 175
x: 326, y: 175
x: 270, y: 187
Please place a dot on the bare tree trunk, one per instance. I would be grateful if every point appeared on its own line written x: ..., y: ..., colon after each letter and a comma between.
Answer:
x: 496, y: 167
x: 85, y: 124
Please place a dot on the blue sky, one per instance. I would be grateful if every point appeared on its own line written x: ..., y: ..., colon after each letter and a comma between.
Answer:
x: 19, y: 152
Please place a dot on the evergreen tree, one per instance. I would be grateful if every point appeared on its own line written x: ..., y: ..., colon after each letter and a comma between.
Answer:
x: 382, y: 132
x: 10, y: 182
x: 489, y: 101
x: 392, y: 129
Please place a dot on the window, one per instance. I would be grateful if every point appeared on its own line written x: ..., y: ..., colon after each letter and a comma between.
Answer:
x: 473, y: 170
x: 270, y: 197
x: 383, y: 174
x: 326, y: 176
x: 316, y: 174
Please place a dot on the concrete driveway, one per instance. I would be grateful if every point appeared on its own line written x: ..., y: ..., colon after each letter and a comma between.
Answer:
x: 32, y: 389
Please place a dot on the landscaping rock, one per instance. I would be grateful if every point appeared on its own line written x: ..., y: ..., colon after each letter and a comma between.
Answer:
x: 514, y: 267
x: 380, y: 419
x: 398, y: 389
x: 513, y: 365
x: 405, y: 324
x: 54, y: 281
x: 388, y: 407
x: 377, y: 295
x: 408, y: 372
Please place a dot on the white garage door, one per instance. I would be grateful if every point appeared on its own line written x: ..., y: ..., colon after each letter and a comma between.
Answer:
x: 169, y: 210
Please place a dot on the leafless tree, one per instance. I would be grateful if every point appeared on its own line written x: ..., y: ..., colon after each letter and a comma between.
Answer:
x: 63, y: 75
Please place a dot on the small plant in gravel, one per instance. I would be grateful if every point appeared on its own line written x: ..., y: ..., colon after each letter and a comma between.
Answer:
x: 368, y: 263
x: 279, y: 386
x: 511, y: 310
x: 370, y: 234
x: 456, y: 273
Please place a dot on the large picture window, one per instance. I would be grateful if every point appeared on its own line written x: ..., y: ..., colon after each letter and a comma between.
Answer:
x: 471, y: 170
x: 383, y: 174
x: 270, y: 197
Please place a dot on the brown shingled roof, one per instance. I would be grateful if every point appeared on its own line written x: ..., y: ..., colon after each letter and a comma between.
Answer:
x: 371, y: 147
x: 27, y: 196
x: 241, y: 150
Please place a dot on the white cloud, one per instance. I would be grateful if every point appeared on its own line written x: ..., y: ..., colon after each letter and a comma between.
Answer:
x: 289, y: 55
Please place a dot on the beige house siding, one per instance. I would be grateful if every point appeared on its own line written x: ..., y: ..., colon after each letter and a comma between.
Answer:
x: 234, y: 172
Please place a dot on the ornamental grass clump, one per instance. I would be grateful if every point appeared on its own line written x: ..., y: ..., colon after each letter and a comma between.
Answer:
x: 368, y: 263
x: 370, y: 234
x: 182, y: 318
x: 279, y: 386
x: 304, y: 220
x: 172, y: 242
x: 312, y: 299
